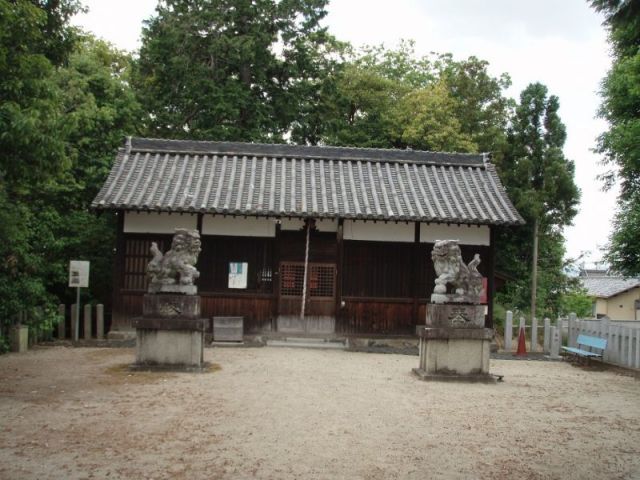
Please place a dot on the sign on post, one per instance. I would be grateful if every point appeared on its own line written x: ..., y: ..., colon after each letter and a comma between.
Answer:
x: 79, y: 278
x: 78, y: 273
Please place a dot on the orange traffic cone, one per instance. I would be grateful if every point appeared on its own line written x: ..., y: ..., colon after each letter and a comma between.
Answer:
x: 522, y: 346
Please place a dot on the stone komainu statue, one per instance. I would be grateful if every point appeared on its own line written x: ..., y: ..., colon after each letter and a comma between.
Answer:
x: 450, y: 269
x: 177, y: 266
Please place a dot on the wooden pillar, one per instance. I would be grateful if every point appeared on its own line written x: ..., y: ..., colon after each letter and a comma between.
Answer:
x: 199, y: 223
x: 118, y: 274
x: 339, y: 267
x: 415, y: 273
x: 275, y: 277
x: 491, y: 283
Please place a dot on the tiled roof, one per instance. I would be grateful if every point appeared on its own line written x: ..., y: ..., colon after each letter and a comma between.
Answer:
x: 304, y: 181
x: 605, y: 287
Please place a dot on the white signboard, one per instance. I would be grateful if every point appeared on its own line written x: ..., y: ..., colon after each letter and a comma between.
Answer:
x: 78, y: 273
x: 238, y: 274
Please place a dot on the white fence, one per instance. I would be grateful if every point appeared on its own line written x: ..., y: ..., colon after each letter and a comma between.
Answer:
x: 623, y: 340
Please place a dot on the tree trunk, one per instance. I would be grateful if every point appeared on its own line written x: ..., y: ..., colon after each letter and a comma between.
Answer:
x: 534, y: 270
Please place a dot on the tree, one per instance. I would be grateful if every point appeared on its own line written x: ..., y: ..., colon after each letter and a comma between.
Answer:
x: 229, y: 69
x: 540, y: 181
x: 619, y: 144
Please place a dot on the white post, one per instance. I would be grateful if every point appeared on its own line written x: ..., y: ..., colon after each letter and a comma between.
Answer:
x: 547, y: 335
x: 508, y: 331
x: 629, y: 346
x: 604, y: 333
x: 559, y: 322
x: 100, y: 321
x: 573, y: 332
x: 555, y: 343
x: 638, y: 348
x: 534, y: 334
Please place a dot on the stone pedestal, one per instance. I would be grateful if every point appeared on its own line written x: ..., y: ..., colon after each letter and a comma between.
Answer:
x: 455, y: 346
x: 170, y: 334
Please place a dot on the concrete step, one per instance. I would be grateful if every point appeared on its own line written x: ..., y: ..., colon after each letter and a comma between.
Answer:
x: 307, y: 343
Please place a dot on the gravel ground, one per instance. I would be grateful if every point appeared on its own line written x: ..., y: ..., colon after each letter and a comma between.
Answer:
x: 76, y: 413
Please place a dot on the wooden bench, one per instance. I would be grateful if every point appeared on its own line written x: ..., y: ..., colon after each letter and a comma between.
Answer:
x: 587, y: 341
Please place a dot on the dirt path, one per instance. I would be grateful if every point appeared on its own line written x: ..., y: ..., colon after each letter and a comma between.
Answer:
x: 286, y: 413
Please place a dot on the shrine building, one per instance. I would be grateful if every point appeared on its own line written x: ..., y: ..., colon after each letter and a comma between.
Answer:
x: 360, y: 222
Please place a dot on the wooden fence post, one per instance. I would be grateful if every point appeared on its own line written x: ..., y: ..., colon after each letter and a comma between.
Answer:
x: 508, y: 331
x: 99, y: 321
x: 87, y: 322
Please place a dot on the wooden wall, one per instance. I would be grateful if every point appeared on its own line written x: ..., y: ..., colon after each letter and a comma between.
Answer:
x: 385, y: 285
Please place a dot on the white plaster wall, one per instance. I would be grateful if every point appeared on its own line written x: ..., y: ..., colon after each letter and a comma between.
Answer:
x: 238, y: 226
x: 468, y: 235
x: 322, y: 225
x: 379, y: 231
x: 142, y: 222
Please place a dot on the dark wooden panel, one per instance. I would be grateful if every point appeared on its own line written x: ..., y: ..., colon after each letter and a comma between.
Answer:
x: 256, y: 309
x: 322, y: 246
x: 376, y: 317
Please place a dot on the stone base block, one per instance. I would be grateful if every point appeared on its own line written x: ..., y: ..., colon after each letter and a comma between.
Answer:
x: 169, y: 349
x: 171, y: 305
x: 437, y: 377
x: 451, y: 354
x: 174, y: 288
x: 19, y: 338
x: 455, y: 316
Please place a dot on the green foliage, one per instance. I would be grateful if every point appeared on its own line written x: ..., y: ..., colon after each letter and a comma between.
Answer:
x: 65, y: 103
x: 577, y: 301
x: 540, y: 181
x: 229, y: 70
x: 619, y: 144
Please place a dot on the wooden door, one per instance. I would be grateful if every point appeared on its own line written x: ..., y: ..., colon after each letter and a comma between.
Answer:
x: 320, y: 299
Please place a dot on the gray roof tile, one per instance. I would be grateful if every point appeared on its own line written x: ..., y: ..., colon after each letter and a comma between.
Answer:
x: 605, y: 287
x: 300, y: 181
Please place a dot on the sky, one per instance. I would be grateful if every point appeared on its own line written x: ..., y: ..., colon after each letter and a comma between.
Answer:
x: 559, y: 43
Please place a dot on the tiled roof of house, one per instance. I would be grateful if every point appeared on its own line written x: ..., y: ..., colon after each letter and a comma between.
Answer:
x: 605, y: 287
x: 303, y: 181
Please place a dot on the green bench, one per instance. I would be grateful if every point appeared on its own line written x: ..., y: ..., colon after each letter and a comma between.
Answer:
x: 587, y: 341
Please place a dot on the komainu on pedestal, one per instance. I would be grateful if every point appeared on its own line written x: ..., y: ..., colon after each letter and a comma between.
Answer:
x: 454, y: 344
x: 170, y: 333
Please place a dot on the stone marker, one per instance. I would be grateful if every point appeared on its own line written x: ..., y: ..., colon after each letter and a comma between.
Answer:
x: 534, y: 334
x: 555, y: 343
x: 99, y: 321
x: 87, y: 322
x: 508, y: 331
x: 547, y: 335
x: 19, y: 338
x: 74, y: 325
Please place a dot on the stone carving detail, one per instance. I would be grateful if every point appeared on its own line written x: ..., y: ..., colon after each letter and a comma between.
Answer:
x: 175, y: 271
x: 450, y: 269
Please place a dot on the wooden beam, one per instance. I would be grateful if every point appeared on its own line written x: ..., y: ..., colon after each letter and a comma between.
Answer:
x: 491, y: 283
x: 275, y: 278
x: 339, y: 267
x: 414, y: 275
x: 118, y: 272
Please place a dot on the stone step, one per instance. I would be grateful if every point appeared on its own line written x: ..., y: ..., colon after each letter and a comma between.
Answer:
x: 307, y: 343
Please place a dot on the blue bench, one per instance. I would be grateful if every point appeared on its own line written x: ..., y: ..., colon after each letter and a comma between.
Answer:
x: 587, y: 341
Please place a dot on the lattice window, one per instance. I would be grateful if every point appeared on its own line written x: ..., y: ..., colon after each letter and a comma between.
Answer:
x: 320, y: 280
x: 136, y: 257
x: 291, y: 279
